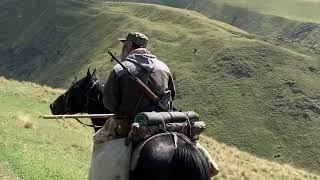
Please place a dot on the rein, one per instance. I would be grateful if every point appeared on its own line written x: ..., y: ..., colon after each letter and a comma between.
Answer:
x: 89, y: 125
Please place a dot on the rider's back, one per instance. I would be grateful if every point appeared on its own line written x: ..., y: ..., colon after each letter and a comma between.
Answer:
x: 121, y: 93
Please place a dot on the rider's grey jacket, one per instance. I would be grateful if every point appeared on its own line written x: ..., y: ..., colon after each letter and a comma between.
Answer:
x: 121, y: 94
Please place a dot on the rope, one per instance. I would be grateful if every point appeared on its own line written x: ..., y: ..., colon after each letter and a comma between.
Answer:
x: 89, y: 125
x: 189, y: 125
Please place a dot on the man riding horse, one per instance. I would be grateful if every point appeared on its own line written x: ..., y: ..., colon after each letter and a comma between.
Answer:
x: 122, y: 96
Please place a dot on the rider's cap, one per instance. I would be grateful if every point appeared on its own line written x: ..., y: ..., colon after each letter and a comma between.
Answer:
x: 137, y: 38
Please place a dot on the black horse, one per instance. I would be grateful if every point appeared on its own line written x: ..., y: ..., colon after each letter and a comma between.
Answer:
x: 162, y: 158
x: 84, y: 96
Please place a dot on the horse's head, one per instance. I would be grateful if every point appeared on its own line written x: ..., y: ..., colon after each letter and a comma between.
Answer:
x: 75, y: 99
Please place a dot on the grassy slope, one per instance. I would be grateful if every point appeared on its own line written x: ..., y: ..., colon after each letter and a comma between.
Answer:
x: 294, y: 24
x: 51, y: 150
x: 302, y: 10
x: 68, y: 39
x: 45, y: 150
x: 254, y: 95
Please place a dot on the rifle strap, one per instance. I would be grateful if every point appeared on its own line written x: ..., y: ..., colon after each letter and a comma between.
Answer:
x: 141, y: 96
x: 131, y: 75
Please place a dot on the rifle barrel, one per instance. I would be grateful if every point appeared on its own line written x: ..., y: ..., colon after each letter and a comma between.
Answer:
x: 98, y: 116
x: 114, y: 58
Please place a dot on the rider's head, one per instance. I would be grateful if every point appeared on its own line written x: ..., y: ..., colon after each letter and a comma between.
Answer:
x: 134, y: 40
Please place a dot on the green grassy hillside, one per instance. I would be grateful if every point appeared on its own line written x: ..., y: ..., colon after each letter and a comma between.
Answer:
x: 288, y: 23
x: 291, y: 23
x: 33, y: 148
x: 302, y: 10
x: 254, y: 95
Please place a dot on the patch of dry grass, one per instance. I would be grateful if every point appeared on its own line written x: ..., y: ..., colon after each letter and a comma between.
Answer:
x: 46, y: 88
x: 2, y: 79
x: 5, y: 177
x: 236, y: 164
x: 29, y: 125
x: 26, y: 121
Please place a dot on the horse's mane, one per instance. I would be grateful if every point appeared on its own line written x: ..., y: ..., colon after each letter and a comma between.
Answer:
x: 189, y: 163
x: 161, y: 159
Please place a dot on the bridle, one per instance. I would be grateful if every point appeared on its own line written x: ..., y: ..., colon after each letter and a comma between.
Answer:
x: 87, y: 94
x: 88, y: 99
x: 66, y: 99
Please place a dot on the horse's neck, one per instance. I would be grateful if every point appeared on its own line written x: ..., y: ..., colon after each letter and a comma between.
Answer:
x: 98, y: 106
x: 100, y: 92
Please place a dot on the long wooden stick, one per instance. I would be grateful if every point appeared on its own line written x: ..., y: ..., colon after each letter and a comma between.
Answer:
x: 101, y: 116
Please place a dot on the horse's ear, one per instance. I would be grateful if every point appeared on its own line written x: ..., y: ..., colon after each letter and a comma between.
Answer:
x: 94, y: 72
x: 74, y: 80
x: 89, y: 74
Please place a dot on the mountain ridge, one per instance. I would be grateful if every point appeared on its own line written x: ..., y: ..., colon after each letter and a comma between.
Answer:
x: 274, y: 19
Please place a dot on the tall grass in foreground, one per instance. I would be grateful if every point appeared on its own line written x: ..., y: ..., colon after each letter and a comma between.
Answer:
x: 236, y: 164
x: 46, y: 149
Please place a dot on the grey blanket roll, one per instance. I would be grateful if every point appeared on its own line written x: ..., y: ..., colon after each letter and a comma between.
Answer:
x: 154, y: 118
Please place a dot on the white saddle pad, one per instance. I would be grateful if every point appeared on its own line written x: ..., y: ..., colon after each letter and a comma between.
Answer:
x: 110, y: 161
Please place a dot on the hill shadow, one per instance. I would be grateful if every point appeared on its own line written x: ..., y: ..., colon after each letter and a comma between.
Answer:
x: 33, y: 40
